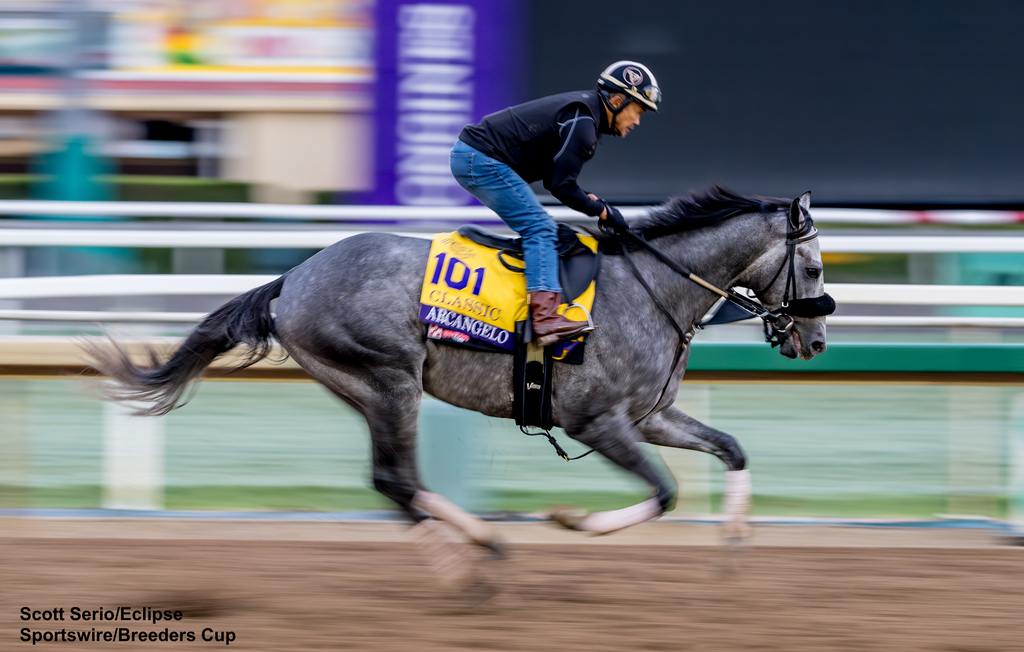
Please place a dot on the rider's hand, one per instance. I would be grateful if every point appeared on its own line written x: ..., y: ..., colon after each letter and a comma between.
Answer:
x: 611, y: 220
x: 604, y: 211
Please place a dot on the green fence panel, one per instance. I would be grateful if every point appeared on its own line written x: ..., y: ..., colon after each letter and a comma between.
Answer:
x: 863, y: 357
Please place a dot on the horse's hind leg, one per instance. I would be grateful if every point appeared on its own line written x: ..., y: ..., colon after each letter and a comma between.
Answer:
x: 393, y: 436
x: 389, y: 399
x: 672, y: 427
x: 615, y: 437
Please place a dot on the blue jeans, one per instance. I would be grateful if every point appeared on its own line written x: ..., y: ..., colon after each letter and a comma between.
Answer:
x: 504, y: 192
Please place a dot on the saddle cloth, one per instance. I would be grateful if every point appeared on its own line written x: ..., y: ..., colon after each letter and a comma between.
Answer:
x: 474, y: 288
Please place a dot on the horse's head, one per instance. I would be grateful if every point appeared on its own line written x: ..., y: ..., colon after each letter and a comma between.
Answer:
x: 791, y: 279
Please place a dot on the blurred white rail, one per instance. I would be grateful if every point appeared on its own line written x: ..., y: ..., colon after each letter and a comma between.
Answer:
x: 927, y: 295
x: 305, y: 212
x: 921, y: 244
x: 193, y: 238
x: 926, y: 322
x: 231, y: 210
x: 16, y: 234
x: 231, y: 284
x: 139, y: 317
x: 104, y: 316
x: 125, y: 285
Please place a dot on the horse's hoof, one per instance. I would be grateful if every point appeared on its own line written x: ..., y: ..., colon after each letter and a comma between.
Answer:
x: 736, y: 534
x: 1014, y: 539
x: 735, y: 542
x: 569, y: 517
x: 479, y: 592
x: 468, y: 598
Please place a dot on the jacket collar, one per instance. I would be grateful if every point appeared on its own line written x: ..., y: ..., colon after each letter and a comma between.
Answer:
x: 602, y: 116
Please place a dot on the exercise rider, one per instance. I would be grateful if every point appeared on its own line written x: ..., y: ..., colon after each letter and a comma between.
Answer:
x: 549, y: 140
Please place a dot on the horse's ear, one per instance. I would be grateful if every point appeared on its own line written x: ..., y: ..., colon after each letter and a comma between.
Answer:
x: 794, y: 214
x: 805, y: 200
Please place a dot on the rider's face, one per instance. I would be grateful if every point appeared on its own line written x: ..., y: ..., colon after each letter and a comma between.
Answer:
x: 628, y: 119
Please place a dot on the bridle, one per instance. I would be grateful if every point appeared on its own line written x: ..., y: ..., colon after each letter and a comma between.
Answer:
x: 778, y: 323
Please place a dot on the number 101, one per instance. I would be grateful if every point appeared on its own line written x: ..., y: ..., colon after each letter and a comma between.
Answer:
x: 457, y: 274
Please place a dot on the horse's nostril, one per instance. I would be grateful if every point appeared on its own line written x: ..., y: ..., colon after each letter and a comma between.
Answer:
x: 818, y: 346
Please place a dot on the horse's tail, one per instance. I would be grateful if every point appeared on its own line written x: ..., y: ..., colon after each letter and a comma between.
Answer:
x: 246, y: 319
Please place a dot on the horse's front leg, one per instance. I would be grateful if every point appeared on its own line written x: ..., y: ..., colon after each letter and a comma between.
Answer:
x: 615, y: 437
x: 672, y: 427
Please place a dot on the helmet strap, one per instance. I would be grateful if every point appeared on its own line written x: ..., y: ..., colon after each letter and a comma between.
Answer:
x: 606, y: 100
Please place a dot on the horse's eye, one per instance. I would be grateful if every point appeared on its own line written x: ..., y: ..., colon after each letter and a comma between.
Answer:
x: 813, y: 272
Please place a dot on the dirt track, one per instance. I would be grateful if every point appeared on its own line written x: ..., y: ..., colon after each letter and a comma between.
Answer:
x: 365, y: 591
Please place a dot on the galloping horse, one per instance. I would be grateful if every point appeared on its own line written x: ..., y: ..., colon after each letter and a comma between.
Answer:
x: 348, y: 316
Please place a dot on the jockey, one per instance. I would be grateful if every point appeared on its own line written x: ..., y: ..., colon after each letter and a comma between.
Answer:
x: 549, y: 140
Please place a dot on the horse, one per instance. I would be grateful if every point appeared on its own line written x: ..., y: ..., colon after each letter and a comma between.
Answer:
x: 348, y: 316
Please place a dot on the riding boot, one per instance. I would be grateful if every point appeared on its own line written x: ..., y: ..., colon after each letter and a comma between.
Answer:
x: 548, y: 325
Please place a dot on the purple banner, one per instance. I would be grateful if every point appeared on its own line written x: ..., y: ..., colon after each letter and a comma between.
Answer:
x: 440, y: 66
x: 455, y: 327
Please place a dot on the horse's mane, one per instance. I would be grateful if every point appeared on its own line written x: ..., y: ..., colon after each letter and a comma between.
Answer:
x: 713, y: 206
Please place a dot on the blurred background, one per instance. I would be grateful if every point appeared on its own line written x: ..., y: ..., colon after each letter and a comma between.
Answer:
x: 160, y: 156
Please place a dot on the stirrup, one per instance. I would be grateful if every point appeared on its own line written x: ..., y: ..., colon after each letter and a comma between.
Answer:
x: 590, y: 320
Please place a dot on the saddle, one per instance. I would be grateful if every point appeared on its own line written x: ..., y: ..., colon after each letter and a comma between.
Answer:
x: 474, y: 296
x: 577, y: 264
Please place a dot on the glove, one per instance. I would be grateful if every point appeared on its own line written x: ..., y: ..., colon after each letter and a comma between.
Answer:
x: 613, y: 222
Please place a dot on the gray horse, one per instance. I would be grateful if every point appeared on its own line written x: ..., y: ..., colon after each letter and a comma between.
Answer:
x: 348, y: 316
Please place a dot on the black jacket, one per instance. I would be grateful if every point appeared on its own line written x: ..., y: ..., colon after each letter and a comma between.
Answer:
x: 548, y: 139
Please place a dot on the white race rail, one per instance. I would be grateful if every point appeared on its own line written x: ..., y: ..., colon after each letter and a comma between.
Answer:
x: 106, y: 317
x: 416, y: 220
x: 126, y: 285
x: 139, y: 317
x: 228, y: 285
x: 305, y: 212
x: 292, y: 238
x: 231, y: 284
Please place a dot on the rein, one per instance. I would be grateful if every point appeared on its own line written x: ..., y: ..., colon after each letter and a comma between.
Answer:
x: 777, y: 323
x: 683, y: 338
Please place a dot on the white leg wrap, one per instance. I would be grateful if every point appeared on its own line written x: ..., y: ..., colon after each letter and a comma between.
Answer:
x: 737, y: 495
x: 441, y: 508
x: 445, y: 555
x: 616, y: 519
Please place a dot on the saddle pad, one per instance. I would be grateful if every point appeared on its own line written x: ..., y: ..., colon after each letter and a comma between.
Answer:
x: 474, y: 295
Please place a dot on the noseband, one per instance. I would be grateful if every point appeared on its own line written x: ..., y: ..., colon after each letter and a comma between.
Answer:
x: 778, y: 323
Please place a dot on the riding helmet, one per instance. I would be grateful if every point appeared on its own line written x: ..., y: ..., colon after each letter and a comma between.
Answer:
x: 634, y: 80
